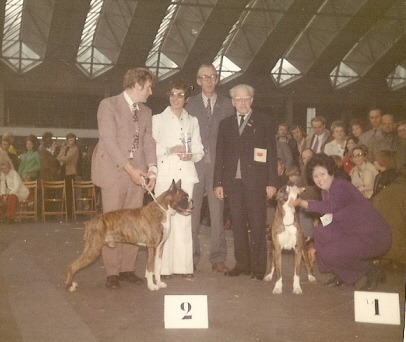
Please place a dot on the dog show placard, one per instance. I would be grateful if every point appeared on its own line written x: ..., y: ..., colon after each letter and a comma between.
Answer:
x: 186, y: 312
x: 376, y: 307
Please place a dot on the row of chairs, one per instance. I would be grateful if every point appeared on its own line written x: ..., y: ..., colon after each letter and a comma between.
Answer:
x: 54, y: 201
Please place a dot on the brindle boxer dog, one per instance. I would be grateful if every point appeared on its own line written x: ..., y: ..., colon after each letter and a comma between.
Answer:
x: 287, y: 234
x: 148, y: 226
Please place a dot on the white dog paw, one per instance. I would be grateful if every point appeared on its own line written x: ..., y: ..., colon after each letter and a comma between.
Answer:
x: 311, y: 278
x: 268, y: 277
x: 297, y: 290
x: 73, y: 287
x: 153, y: 287
x: 162, y: 285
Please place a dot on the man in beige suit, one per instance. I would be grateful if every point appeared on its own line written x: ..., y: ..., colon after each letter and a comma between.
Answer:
x: 124, y: 155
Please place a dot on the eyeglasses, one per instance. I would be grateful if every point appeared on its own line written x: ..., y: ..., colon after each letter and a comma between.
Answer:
x: 178, y: 95
x: 242, y: 99
x: 358, y: 155
x: 207, y: 77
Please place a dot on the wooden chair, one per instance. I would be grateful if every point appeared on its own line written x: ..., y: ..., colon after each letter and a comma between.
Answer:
x: 84, y: 198
x: 28, y: 209
x: 54, y: 199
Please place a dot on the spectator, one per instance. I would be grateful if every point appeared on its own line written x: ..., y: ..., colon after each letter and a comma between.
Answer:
x: 317, y: 140
x: 10, y: 137
x: 337, y: 145
x: 364, y: 173
x: 351, y: 231
x: 375, y: 118
x: 245, y: 171
x: 340, y: 173
x: 69, y: 158
x: 348, y: 164
x: 385, y: 163
x: 401, y: 150
x: 50, y: 167
x: 293, y: 174
x: 282, y: 136
x: 356, y: 128
x: 5, y: 146
x: 30, y: 161
x: 299, y: 135
x: 12, y: 190
x: 209, y: 108
x: 387, y: 140
x: 178, y: 148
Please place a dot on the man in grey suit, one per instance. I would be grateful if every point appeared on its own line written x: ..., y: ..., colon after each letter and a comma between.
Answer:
x: 209, y: 108
x: 124, y: 155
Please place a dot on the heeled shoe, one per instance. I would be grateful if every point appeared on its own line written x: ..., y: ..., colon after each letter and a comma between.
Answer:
x: 374, y: 278
x: 334, y: 282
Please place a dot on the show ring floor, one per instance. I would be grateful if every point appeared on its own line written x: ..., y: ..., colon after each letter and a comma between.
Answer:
x: 34, y: 306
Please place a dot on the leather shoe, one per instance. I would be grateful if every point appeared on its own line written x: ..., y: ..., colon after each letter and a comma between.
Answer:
x: 219, y: 267
x: 334, y: 282
x: 257, y: 276
x: 374, y: 278
x: 236, y: 272
x: 130, y: 277
x: 112, y: 282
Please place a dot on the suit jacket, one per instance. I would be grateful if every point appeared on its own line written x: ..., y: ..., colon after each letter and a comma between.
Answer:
x: 231, y: 147
x: 209, y: 128
x: 116, y: 136
x: 70, y: 159
x: 310, y: 138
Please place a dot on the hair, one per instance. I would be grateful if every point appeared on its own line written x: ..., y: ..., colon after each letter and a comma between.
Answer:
x: 361, y: 147
x: 307, y: 149
x: 318, y: 118
x: 356, y: 141
x: 323, y: 160
x: 283, y: 124
x: 70, y: 135
x: 357, y: 122
x: 34, y: 140
x: 339, y: 162
x: 336, y: 124
x: 179, y: 84
x: 400, y: 123
x: 386, y: 159
x: 46, y: 136
x: 7, y: 136
x: 250, y: 89
x: 137, y: 75
x: 292, y: 170
x: 370, y: 109
x: 300, y: 128
x: 3, y: 138
x: 205, y: 66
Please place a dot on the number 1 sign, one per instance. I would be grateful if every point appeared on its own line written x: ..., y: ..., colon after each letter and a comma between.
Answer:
x: 186, y: 312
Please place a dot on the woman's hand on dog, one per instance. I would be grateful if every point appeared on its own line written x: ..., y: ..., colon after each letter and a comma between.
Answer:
x: 298, y: 202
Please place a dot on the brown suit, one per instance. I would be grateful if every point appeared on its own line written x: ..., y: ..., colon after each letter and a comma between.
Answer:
x: 116, y: 136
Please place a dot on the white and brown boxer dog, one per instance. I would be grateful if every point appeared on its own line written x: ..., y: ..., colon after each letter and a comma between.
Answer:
x: 147, y: 226
x: 287, y: 234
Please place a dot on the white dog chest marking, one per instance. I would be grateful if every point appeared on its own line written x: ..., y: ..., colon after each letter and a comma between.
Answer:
x: 287, y: 238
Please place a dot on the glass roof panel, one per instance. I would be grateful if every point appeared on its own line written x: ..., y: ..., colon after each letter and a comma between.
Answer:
x: 105, y: 29
x: 397, y: 79
x: 25, y: 33
x: 248, y: 35
x: 177, y: 34
x: 342, y: 76
x: 284, y: 73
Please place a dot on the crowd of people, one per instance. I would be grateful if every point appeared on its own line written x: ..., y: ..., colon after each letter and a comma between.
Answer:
x: 219, y: 147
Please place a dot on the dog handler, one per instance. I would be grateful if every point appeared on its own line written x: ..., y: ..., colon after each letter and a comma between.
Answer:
x: 351, y: 231
x: 124, y: 154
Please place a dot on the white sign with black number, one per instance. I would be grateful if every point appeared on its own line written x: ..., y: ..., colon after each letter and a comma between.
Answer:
x: 377, y: 307
x: 186, y: 312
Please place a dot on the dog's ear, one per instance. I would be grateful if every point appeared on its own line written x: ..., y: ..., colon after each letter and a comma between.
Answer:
x: 172, y: 189
x: 179, y: 184
x: 286, y: 193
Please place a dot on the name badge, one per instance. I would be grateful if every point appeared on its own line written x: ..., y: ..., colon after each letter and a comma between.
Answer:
x: 260, y: 155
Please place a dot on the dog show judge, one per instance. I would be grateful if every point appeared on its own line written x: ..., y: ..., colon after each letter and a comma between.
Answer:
x: 124, y: 155
x: 245, y: 171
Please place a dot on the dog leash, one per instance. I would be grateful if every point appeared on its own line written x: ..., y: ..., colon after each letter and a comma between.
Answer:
x: 144, y: 185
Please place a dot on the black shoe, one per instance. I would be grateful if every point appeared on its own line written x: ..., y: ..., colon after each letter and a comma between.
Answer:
x: 374, y: 278
x: 236, y: 272
x: 257, y: 276
x: 130, y: 277
x: 334, y: 282
x: 112, y: 282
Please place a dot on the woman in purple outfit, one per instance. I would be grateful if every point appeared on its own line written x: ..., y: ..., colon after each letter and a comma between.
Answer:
x: 351, y: 231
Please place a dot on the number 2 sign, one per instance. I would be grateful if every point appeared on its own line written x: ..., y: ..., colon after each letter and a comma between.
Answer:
x: 186, y: 312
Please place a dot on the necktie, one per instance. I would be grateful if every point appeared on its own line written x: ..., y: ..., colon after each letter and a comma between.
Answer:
x: 208, y: 107
x: 241, y: 120
x: 316, y: 145
x: 374, y: 132
x: 134, y: 147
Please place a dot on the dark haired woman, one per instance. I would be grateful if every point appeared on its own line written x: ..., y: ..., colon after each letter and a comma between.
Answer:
x: 30, y: 162
x: 351, y: 231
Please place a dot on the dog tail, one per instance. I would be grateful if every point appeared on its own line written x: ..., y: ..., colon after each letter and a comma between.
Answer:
x: 93, y: 243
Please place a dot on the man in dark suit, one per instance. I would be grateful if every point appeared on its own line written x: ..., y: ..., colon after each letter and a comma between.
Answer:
x: 209, y: 108
x: 124, y: 154
x: 246, y: 172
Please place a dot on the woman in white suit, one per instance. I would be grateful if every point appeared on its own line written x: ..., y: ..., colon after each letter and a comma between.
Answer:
x: 336, y: 146
x: 178, y: 148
